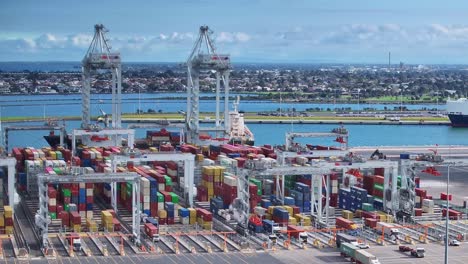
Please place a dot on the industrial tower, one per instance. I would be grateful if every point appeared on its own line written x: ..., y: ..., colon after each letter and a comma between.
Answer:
x: 203, y: 59
x: 99, y: 57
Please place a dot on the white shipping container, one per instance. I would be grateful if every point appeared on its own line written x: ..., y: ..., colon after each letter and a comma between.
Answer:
x: 231, y: 181
x: 82, y: 185
x: 89, y: 192
x: 428, y: 203
x: 52, y: 201
x: 418, y: 199
x: 334, y: 189
x: 160, y: 206
x: 146, y: 206
x: 89, y: 214
x: 146, y: 199
x: 161, y: 186
x: 83, y: 214
x: 429, y: 210
x: 334, y: 183
x: 185, y: 220
x: 107, y: 170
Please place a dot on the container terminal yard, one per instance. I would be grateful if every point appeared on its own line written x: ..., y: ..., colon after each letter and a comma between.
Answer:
x: 196, y: 194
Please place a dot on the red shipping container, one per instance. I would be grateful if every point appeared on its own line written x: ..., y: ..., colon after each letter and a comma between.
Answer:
x: 89, y: 199
x: 116, y: 224
x: 168, y: 188
x: 444, y: 196
x: 379, y: 171
x: 378, y: 193
x: 170, y: 221
x: 418, y: 211
x: 150, y: 229
x: 379, y: 179
x: 371, y: 222
x: 89, y: 185
x: 343, y: 223
x: 59, y: 208
x: 294, y: 231
x: 82, y: 207
x: 420, y: 192
x: 65, y: 216
x: 162, y: 221
x: 52, y: 193
x: 75, y: 218
x: 52, y: 208
x: 365, y: 214
x: 66, y: 200
x: 8, y: 221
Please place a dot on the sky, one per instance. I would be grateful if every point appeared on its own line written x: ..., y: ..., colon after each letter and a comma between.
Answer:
x: 292, y: 31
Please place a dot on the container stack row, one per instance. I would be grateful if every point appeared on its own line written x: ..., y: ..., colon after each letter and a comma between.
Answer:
x: 6, y: 220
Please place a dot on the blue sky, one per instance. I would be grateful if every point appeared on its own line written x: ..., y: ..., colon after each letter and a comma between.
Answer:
x: 307, y: 31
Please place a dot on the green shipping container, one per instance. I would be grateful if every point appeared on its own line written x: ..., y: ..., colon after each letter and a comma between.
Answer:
x: 378, y: 187
x: 58, y: 171
x: 66, y: 192
x: 160, y: 198
x: 168, y: 180
x: 53, y: 215
x: 348, y: 249
x: 259, y: 185
x: 367, y: 207
x: 175, y: 198
x: 66, y: 207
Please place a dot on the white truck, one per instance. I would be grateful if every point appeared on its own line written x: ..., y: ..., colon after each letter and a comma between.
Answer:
x: 389, y: 229
x: 364, y: 257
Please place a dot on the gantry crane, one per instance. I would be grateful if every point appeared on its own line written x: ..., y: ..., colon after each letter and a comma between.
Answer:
x: 100, y: 57
x: 204, y: 58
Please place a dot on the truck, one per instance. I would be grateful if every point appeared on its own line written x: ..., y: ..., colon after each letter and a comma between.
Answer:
x: 344, y: 238
x: 389, y: 229
x: 152, y: 232
x: 360, y: 256
x: 415, y: 252
x: 363, y: 257
x: 74, y: 240
x: 271, y: 227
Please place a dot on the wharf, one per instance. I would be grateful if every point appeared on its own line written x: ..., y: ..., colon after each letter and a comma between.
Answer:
x: 305, y: 121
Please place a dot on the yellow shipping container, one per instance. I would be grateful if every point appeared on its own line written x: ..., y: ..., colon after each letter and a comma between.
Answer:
x: 192, y: 220
x: 9, y: 230
x: 389, y: 218
x: 162, y: 213
x: 358, y: 213
x: 289, y: 209
x: 8, y: 211
x: 217, y: 171
x: 91, y: 225
x: 2, y: 220
x: 217, y: 178
x: 153, y: 149
x: 192, y: 213
x: 347, y: 214
x: 77, y: 228
x: 303, y: 218
x: 109, y: 227
x: 292, y: 221
x: 200, y: 157
x: 270, y: 209
x: 207, y: 226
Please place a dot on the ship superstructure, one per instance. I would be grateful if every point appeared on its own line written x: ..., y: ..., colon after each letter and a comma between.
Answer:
x: 457, y: 111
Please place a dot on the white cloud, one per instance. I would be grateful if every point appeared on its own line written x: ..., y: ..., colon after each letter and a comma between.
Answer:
x: 232, y: 37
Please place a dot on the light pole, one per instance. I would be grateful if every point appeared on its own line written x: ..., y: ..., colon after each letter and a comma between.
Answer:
x: 447, y: 216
